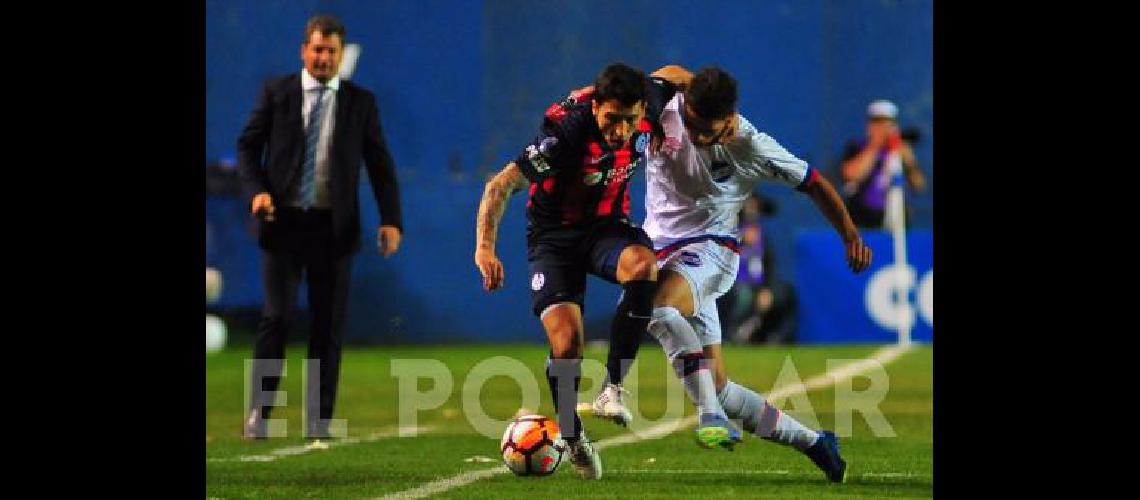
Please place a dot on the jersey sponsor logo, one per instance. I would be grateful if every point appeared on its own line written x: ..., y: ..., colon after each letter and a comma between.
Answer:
x: 537, y: 281
x: 690, y: 259
x: 621, y: 173
x: 592, y: 178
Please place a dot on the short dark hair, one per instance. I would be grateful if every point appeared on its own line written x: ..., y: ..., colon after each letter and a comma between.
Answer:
x: 327, y: 25
x: 712, y: 94
x: 622, y: 83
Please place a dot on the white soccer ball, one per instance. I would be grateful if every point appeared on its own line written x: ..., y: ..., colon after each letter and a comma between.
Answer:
x: 213, y: 284
x: 215, y: 333
x: 532, y: 446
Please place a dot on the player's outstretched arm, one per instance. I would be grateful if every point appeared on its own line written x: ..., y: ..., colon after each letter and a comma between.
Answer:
x: 495, y: 195
x: 831, y: 205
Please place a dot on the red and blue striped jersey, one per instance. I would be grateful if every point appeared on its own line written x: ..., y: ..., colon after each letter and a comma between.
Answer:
x: 575, y: 177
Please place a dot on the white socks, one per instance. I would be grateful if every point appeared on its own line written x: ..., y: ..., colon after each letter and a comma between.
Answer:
x: 687, y: 355
x: 763, y: 419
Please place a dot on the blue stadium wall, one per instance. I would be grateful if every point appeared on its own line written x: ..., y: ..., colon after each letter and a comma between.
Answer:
x: 462, y: 85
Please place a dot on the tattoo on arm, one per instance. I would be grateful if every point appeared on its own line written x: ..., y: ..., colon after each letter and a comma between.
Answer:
x: 495, y: 195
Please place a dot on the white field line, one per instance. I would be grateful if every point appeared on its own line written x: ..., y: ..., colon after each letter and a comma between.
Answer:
x: 881, y: 358
x: 318, y: 445
x: 775, y: 472
x: 445, y: 484
x: 759, y: 472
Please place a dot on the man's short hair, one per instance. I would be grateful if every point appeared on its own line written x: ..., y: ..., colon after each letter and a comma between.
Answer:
x: 712, y: 94
x: 327, y: 25
x: 622, y: 83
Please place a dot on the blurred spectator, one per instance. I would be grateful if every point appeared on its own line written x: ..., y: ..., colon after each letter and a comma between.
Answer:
x: 864, y: 171
x: 759, y: 307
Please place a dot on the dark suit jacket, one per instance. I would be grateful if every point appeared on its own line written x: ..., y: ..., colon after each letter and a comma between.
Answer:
x: 271, y: 150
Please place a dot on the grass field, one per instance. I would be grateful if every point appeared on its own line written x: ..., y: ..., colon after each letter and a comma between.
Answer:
x: 373, y: 462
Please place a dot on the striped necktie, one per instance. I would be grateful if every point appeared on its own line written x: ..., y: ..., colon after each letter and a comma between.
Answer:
x: 312, y: 135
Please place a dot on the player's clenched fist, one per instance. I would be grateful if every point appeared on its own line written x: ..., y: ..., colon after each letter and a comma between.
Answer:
x: 858, y: 255
x: 491, y: 269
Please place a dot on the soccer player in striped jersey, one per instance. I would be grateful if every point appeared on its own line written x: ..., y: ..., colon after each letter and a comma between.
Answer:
x: 578, y: 170
x: 708, y: 162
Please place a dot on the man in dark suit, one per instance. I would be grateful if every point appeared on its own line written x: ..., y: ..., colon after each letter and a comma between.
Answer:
x: 299, y: 157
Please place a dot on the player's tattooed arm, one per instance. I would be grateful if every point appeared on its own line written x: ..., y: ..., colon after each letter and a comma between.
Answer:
x: 858, y: 254
x: 495, y: 195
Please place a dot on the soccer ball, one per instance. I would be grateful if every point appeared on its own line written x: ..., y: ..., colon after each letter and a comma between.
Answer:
x: 532, y: 446
x: 215, y: 334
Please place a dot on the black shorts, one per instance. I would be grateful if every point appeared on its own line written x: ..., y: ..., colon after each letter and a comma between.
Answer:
x: 560, y: 258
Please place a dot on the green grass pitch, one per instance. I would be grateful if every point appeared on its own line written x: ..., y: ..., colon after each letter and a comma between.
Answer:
x: 374, y: 462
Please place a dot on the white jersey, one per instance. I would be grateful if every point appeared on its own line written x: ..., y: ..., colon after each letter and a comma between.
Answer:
x: 698, y: 192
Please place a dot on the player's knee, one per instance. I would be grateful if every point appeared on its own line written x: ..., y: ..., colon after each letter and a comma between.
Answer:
x: 673, y: 291
x: 565, y: 342
x: 644, y: 270
x: 570, y: 349
x: 639, y: 263
x: 665, y: 297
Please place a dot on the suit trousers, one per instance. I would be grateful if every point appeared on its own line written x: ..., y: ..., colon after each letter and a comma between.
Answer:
x: 306, y: 250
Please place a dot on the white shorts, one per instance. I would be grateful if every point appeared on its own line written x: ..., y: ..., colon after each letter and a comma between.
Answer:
x: 710, y: 269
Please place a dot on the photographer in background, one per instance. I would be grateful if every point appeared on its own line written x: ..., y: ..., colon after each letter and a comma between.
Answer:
x: 864, y: 173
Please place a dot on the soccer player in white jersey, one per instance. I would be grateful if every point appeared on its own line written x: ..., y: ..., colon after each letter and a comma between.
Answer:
x: 707, y: 164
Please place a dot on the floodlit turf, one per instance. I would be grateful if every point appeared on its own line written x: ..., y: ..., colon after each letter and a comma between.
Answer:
x: 375, y: 463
